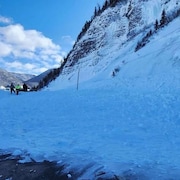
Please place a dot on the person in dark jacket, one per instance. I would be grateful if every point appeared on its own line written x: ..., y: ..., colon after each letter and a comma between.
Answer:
x: 25, y: 87
x: 12, y: 88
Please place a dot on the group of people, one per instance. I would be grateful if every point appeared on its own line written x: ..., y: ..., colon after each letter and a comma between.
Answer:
x: 17, y: 88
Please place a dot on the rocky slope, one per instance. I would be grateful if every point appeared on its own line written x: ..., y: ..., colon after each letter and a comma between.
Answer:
x: 110, y: 32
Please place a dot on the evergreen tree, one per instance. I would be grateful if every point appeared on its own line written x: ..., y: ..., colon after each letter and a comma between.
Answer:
x: 98, y: 9
x: 105, y: 5
x: 150, y: 33
x: 156, y: 25
x: 163, y: 20
x: 95, y: 12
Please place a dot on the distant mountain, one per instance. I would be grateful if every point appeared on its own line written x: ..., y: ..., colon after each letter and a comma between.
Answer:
x: 34, y: 81
x: 23, y: 77
x: 6, y: 78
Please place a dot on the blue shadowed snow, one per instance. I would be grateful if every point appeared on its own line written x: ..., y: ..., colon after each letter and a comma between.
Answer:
x: 118, y: 131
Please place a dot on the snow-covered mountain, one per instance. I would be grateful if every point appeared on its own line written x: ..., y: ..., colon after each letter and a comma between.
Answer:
x: 6, y: 78
x: 108, y: 47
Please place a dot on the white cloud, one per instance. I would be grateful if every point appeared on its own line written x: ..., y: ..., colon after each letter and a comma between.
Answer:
x: 28, y: 40
x: 29, y: 47
x: 18, y: 65
x: 27, y: 68
x: 5, y: 20
x: 5, y: 49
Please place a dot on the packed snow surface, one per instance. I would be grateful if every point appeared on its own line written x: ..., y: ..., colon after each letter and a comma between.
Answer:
x: 109, y: 129
x: 122, y: 126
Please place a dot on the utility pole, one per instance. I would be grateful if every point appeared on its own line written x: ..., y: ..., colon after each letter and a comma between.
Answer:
x: 78, y: 79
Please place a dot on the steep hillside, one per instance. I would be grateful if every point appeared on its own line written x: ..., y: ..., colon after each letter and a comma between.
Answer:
x: 109, y: 46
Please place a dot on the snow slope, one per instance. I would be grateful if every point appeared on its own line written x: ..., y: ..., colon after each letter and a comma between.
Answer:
x: 125, y: 126
x: 150, y: 68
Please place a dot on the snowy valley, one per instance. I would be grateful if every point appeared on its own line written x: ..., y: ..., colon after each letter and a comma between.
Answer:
x: 113, y: 112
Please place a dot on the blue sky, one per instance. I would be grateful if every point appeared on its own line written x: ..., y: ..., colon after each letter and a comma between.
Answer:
x: 35, y: 35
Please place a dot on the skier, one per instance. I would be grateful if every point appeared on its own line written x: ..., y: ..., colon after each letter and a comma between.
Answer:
x: 12, y: 88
